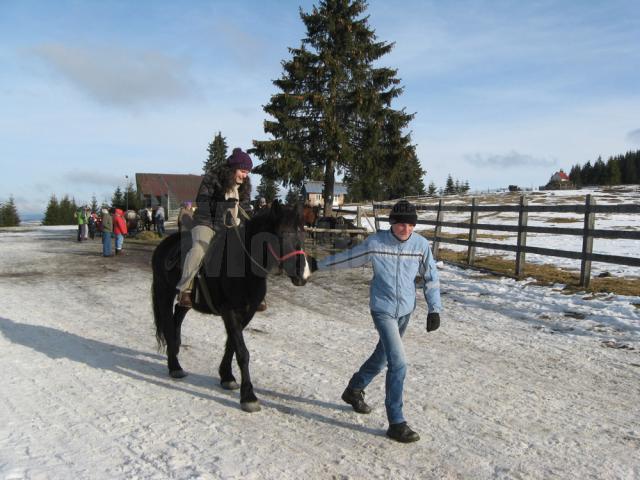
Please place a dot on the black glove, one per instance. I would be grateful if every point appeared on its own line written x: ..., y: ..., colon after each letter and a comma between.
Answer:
x: 433, y: 321
x: 313, y: 264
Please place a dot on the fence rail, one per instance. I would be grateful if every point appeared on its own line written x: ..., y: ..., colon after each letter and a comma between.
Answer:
x: 588, y: 231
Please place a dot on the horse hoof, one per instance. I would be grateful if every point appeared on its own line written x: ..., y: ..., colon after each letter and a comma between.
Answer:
x: 250, y: 406
x: 230, y: 385
x: 178, y: 373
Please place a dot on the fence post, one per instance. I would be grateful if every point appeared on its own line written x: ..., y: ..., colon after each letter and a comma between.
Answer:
x: 471, y: 251
x: 523, y: 216
x: 436, y: 243
x: 587, y: 241
x: 359, y: 217
x: 376, y: 222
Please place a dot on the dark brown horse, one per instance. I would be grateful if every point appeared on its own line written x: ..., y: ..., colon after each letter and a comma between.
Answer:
x: 231, y: 283
x: 310, y: 215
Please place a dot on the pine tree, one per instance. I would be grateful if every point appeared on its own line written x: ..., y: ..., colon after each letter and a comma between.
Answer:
x: 130, y: 198
x: 599, y: 172
x: 52, y: 213
x: 628, y: 167
x: 432, y: 189
x: 94, y: 204
x: 450, y: 188
x: 66, y: 210
x: 10, y: 217
x: 575, y: 175
x: 118, y: 200
x: 587, y: 174
x: 217, y: 153
x: 334, y: 110
x: 267, y: 189
x: 614, y: 175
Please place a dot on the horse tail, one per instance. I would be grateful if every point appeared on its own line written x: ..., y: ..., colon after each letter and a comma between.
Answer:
x: 164, y: 264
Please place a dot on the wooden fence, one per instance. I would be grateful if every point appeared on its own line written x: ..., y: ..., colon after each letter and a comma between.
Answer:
x: 588, y: 231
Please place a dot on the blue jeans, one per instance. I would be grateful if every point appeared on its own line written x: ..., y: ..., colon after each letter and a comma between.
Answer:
x: 106, y: 244
x: 119, y: 241
x: 389, y: 352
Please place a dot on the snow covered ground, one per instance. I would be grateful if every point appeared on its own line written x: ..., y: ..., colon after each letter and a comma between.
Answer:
x: 520, y: 381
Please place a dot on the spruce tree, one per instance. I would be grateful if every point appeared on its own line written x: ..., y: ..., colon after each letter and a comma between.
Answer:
x: 130, y: 198
x: 94, y: 204
x: 267, y: 189
x: 599, y: 172
x: 450, y: 188
x: 66, y: 210
x: 52, y: 213
x: 217, y: 153
x: 118, y: 200
x: 614, y: 175
x: 575, y: 175
x: 334, y: 111
x: 10, y: 217
x: 432, y: 189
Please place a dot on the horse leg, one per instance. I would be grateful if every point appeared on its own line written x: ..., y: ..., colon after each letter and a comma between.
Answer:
x: 173, y: 336
x: 233, y: 323
x: 227, y: 380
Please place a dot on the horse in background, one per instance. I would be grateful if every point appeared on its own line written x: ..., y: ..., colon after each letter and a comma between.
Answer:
x: 231, y: 283
x: 310, y: 215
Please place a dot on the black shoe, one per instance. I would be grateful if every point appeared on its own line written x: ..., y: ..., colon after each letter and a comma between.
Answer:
x: 402, y: 433
x: 355, y: 398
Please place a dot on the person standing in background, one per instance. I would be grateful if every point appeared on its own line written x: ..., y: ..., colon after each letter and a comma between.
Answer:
x: 119, y: 229
x: 107, y: 232
x: 160, y: 221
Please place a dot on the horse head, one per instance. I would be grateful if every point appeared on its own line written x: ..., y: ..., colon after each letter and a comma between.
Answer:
x: 285, y: 242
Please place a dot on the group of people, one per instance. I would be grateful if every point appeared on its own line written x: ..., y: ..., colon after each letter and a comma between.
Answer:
x: 88, y: 222
x: 397, y: 255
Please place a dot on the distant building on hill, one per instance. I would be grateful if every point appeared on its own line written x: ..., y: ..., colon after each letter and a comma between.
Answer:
x: 168, y: 190
x: 559, y: 181
x: 312, y: 193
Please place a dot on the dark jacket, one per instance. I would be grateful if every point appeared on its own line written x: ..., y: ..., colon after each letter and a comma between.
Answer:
x: 212, y: 208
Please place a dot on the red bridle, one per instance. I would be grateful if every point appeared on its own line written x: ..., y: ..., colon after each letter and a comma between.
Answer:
x: 286, y: 256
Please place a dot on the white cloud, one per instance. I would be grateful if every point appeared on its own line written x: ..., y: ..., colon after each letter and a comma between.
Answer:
x: 119, y: 77
x: 634, y: 136
x: 512, y: 159
x: 81, y: 178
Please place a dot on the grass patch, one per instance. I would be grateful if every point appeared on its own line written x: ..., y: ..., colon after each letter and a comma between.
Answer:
x: 547, y: 274
x: 145, y: 238
x: 563, y: 220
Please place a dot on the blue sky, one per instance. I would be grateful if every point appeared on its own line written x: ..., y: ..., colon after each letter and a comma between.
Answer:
x: 504, y: 92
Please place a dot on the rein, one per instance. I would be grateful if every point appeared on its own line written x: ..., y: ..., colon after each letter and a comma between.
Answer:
x: 286, y: 256
x: 275, y: 255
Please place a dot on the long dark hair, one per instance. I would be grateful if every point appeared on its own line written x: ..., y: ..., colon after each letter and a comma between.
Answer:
x: 227, y: 177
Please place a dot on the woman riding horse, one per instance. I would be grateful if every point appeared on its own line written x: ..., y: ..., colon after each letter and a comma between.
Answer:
x: 232, y: 281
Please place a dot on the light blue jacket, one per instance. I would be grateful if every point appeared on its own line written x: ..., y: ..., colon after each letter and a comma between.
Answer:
x: 395, y: 267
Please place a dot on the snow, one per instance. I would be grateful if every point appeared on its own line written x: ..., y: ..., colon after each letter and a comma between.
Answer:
x: 520, y: 381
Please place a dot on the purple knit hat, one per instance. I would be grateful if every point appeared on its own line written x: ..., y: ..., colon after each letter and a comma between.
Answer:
x: 240, y: 160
